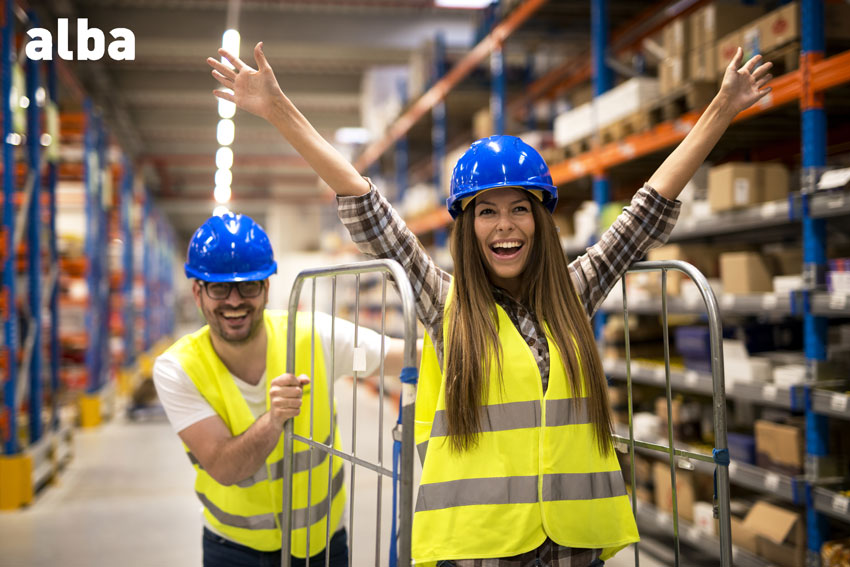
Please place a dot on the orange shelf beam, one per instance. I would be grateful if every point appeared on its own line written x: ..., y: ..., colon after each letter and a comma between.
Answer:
x: 442, y: 87
x: 826, y: 74
x: 787, y: 88
x: 430, y: 221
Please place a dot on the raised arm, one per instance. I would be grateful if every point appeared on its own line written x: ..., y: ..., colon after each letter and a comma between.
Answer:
x: 742, y: 87
x: 258, y: 92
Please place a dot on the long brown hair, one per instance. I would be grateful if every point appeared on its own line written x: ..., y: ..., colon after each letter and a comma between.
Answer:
x: 473, y: 334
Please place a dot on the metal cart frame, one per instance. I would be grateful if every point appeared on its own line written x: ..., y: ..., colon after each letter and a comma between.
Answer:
x: 720, y: 454
x: 402, y: 434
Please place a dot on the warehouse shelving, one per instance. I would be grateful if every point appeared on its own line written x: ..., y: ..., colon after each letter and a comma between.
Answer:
x: 802, y: 213
x: 36, y: 440
x: 701, y: 383
x: 654, y: 521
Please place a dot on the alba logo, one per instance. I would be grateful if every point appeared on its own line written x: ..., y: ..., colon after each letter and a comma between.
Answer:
x: 90, y: 43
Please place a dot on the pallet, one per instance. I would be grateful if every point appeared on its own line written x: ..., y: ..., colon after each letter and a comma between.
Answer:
x: 690, y: 96
x: 785, y: 58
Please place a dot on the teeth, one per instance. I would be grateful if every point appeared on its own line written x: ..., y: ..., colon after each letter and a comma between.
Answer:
x: 507, y: 245
x: 234, y: 314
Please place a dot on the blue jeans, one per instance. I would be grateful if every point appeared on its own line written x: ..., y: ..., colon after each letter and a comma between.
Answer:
x: 220, y: 552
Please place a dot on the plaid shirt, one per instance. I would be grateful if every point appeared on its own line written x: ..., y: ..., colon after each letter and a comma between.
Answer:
x: 378, y: 231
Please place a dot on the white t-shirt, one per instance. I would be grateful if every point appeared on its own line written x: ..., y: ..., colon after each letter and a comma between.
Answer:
x: 184, y: 405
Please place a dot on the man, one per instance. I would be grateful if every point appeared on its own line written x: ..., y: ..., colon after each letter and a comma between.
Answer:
x: 226, y: 394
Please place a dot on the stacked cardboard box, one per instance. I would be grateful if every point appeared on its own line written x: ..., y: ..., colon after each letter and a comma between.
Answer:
x: 707, y: 25
x: 779, y: 447
x: 736, y: 185
x: 673, y: 70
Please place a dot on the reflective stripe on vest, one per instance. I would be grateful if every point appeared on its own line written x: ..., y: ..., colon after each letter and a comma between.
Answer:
x: 520, y: 490
x: 536, y: 471
x: 301, y: 463
x: 248, y: 512
x: 301, y: 517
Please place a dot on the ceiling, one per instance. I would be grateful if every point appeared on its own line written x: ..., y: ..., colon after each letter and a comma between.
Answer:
x: 160, y: 107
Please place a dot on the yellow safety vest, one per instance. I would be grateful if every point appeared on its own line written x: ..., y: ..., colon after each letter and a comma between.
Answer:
x: 536, y: 470
x: 249, y: 512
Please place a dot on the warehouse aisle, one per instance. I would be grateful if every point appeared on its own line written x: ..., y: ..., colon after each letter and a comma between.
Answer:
x: 126, y: 497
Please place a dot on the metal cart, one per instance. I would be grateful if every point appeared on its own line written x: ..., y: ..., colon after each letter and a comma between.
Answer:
x: 403, y: 461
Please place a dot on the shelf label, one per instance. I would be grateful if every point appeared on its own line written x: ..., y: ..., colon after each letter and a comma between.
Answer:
x: 359, y: 362
x: 663, y: 518
x: 840, y: 504
x: 771, y: 481
x: 837, y: 301
x: 838, y: 402
x: 769, y: 392
x: 769, y: 210
x: 693, y: 533
x: 733, y: 468
x: 660, y: 374
x: 769, y: 301
x: 835, y: 202
x: 691, y: 378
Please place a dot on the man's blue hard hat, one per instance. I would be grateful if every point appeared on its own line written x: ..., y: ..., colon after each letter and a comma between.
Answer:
x: 230, y: 248
x: 500, y: 161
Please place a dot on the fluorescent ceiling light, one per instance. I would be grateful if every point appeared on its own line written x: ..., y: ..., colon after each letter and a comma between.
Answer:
x: 352, y: 136
x: 467, y: 4
x: 226, y: 109
x: 225, y: 132
x: 224, y: 158
x: 220, y: 210
x: 223, y: 177
x: 230, y: 41
x: 222, y: 193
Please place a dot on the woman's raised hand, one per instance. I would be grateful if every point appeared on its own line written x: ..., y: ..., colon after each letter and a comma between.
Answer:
x: 254, y: 90
x: 743, y: 86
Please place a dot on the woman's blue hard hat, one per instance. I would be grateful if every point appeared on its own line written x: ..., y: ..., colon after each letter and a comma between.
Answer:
x: 500, y: 161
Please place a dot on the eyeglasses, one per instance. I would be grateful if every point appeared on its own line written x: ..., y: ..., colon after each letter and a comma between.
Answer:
x: 221, y: 290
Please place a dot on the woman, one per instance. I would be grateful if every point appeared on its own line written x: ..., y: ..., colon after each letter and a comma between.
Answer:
x: 512, y: 417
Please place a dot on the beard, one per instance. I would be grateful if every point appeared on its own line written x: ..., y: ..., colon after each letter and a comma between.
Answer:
x: 219, y: 326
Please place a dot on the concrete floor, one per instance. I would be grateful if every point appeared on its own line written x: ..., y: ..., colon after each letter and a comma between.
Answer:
x: 127, y: 498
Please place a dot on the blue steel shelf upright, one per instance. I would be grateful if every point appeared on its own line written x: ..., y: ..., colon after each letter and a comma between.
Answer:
x: 28, y: 355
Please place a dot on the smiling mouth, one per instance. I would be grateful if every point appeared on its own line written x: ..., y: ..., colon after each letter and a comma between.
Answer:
x: 506, y: 249
x: 235, y: 315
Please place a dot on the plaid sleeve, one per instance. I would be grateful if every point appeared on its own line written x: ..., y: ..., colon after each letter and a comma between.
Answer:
x: 645, y: 224
x: 379, y: 232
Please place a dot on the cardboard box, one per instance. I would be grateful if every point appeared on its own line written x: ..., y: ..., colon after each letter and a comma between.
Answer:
x: 742, y: 536
x: 775, y: 182
x: 741, y: 184
x: 675, y: 37
x: 779, y: 26
x: 745, y: 272
x: 837, y: 20
x: 725, y: 49
x: 733, y: 185
x: 779, y: 446
x: 482, y: 124
x: 672, y: 73
x: 721, y: 18
x: 786, y: 261
x: 702, y: 256
x: 685, y: 490
x: 780, y: 534
x: 702, y: 64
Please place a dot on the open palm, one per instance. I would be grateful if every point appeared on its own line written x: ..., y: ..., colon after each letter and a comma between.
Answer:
x: 253, y: 89
x: 743, y: 86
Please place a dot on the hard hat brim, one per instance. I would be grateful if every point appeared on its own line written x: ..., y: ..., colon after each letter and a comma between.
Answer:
x: 230, y: 277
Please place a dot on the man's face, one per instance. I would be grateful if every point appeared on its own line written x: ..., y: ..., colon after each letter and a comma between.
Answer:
x: 231, y: 316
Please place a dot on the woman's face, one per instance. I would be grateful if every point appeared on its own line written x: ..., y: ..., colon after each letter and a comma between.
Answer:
x: 504, y: 227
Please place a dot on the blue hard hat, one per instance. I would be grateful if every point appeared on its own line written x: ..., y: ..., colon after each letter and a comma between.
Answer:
x: 230, y: 248
x: 500, y: 161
